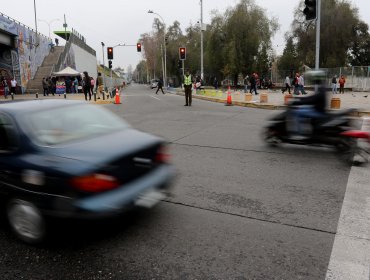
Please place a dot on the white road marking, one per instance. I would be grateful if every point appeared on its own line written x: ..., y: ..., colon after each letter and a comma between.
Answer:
x: 153, y: 97
x: 350, y: 256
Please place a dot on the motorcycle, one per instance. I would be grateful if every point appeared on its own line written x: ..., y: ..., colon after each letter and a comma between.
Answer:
x: 335, y: 129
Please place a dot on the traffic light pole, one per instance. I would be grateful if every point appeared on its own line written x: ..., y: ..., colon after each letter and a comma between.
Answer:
x: 183, y: 68
x: 318, y: 22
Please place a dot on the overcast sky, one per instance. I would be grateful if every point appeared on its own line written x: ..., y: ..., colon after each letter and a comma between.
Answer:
x: 123, y: 21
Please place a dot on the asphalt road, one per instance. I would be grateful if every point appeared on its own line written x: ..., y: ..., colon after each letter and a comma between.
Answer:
x: 239, y: 209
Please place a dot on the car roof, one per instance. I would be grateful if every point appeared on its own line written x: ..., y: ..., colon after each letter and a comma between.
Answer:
x: 36, y: 105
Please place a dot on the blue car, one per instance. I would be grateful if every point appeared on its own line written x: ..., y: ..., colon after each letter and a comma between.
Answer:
x: 72, y: 159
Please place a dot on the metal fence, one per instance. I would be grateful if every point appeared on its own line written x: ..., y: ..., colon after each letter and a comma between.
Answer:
x: 357, y: 77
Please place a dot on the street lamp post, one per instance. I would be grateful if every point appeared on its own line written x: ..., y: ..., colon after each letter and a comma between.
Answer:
x: 35, y: 13
x: 165, y: 48
x: 49, y: 23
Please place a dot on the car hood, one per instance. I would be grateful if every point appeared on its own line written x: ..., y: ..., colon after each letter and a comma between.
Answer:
x: 103, y: 148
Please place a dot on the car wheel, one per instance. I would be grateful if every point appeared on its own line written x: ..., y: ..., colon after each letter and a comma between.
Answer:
x: 26, y: 221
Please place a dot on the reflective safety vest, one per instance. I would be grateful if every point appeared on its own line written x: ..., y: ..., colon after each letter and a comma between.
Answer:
x: 187, y: 80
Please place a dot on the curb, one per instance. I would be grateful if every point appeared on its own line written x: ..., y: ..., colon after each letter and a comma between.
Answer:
x: 255, y: 105
x: 103, y: 102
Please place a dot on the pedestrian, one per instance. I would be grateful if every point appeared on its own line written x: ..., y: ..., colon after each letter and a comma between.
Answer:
x: 53, y: 85
x: 56, y: 41
x: 301, y: 85
x: 246, y: 81
x: 75, y: 85
x: 215, y: 83
x: 198, y: 83
x: 13, y: 86
x: 87, y: 85
x: 99, y: 85
x: 4, y: 83
x: 295, y: 84
x: 45, y: 86
x: 287, y: 84
x: 188, y: 87
x: 92, y: 84
x: 253, y: 83
x: 160, y: 86
x: 334, y: 84
x: 68, y: 85
x: 342, y: 81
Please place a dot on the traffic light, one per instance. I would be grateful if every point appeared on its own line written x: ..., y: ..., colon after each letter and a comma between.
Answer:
x: 179, y: 64
x: 138, y: 47
x: 110, y: 52
x: 182, y: 53
x: 110, y: 64
x: 310, y: 9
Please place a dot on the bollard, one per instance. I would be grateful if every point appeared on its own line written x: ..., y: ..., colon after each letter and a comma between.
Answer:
x: 263, y: 98
x: 117, y: 97
x: 248, y: 97
x: 37, y: 95
x: 229, y: 98
x: 287, y: 98
x: 335, y: 103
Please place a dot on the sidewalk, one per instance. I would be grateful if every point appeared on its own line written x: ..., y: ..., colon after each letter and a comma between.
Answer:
x: 69, y: 96
x: 275, y: 99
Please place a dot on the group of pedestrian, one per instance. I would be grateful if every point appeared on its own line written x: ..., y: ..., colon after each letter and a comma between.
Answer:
x: 9, y: 85
x: 77, y: 84
x: 89, y: 83
x: 334, y: 84
x: 297, y: 82
x: 71, y: 84
x: 251, y: 83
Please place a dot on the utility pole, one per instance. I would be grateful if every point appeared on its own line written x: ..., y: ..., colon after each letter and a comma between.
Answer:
x: 201, y: 40
x: 318, y: 22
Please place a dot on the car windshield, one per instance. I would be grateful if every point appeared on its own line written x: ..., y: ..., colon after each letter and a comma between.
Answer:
x: 70, y: 123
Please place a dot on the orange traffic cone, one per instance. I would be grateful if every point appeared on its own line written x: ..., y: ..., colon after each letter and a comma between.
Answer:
x: 228, y: 101
x: 117, y: 100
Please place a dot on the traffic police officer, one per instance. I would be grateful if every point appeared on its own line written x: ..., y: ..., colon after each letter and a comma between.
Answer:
x: 187, y: 86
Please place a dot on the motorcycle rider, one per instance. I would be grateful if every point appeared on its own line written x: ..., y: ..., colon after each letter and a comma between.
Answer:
x: 309, y: 107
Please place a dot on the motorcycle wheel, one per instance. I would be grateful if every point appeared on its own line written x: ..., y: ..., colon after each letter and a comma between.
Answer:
x: 362, y: 153
x: 346, y: 149
x: 270, y: 137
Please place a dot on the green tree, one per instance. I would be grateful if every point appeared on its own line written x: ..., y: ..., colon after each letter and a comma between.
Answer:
x: 242, y: 39
x: 288, y: 61
x: 360, y: 48
x: 343, y: 36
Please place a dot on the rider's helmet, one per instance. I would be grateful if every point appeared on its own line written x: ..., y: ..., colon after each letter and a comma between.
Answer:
x: 316, y: 77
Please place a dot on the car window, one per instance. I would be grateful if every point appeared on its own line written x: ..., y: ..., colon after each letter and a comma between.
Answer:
x: 8, y: 134
x: 69, y: 123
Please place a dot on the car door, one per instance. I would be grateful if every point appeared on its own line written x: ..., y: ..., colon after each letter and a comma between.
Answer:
x: 9, y: 146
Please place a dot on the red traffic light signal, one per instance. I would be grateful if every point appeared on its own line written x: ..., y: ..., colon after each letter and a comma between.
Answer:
x: 138, y: 47
x: 110, y: 52
x: 182, y: 53
x: 310, y: 9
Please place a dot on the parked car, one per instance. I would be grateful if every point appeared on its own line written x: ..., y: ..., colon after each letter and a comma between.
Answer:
x: 70, y: 159
x: 154, y: 83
